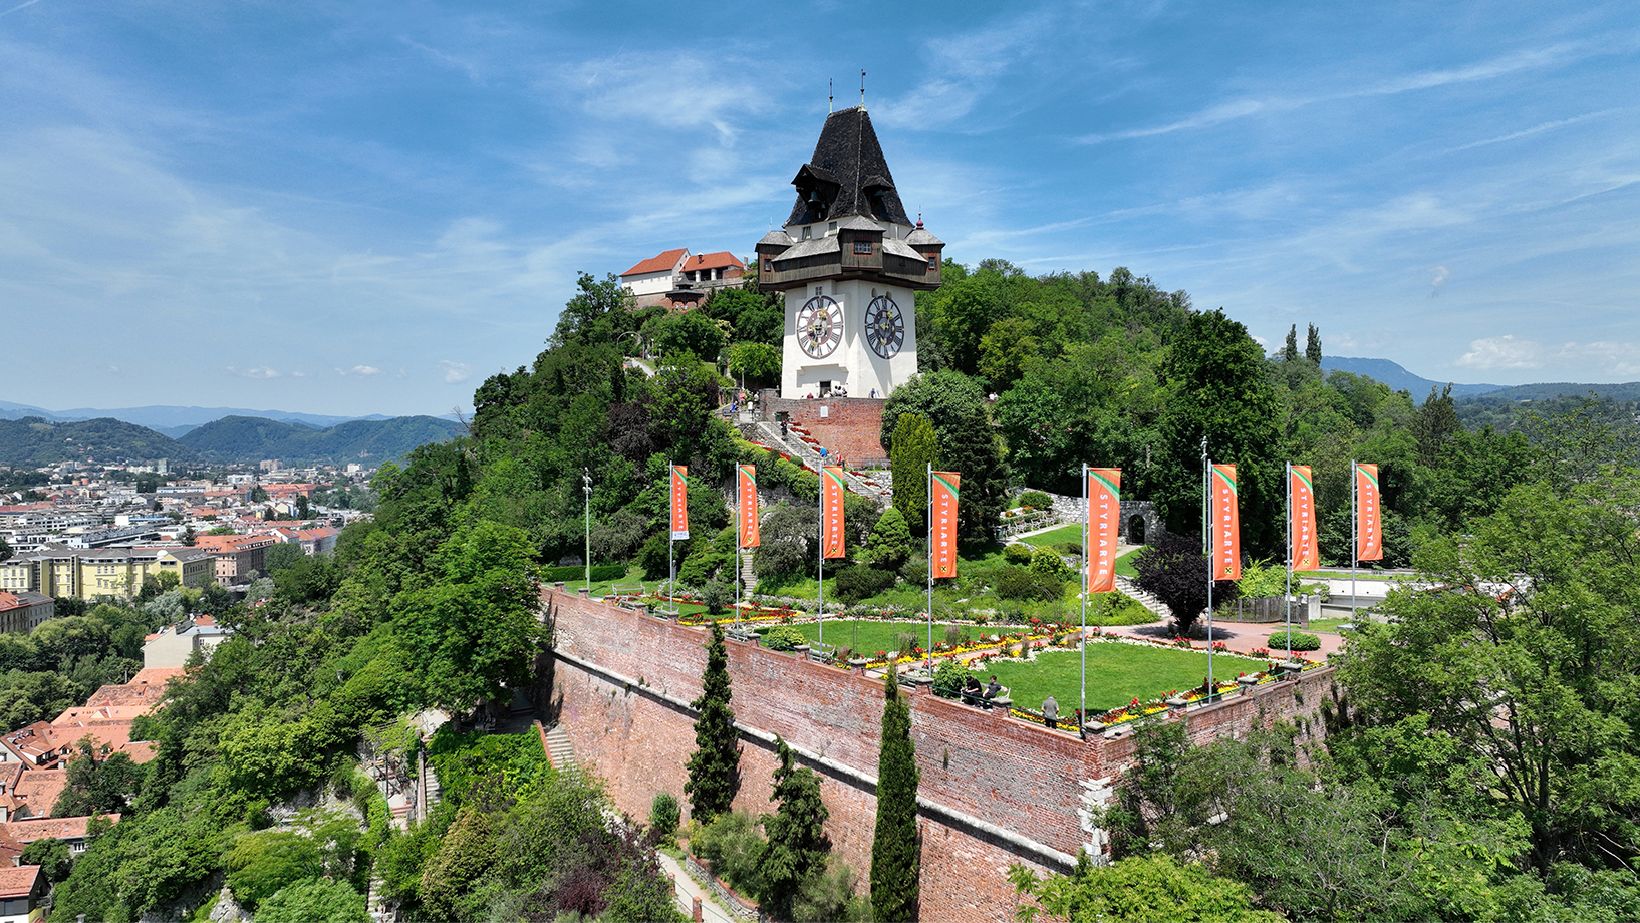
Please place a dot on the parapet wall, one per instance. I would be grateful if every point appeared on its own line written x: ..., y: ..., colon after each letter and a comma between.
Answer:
x: 994, y: 790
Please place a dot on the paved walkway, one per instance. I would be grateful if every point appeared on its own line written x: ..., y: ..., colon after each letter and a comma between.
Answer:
x: 1239, y: 637
x: 686, y: 889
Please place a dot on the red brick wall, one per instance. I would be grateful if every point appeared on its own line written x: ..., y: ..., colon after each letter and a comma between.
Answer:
x: 850, y: 428
x: 1018, y: 776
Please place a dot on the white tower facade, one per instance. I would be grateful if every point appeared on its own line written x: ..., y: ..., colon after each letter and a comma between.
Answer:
x: 850, y: 264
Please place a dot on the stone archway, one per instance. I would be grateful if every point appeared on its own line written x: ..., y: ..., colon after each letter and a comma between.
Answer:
x: 1140, y: 522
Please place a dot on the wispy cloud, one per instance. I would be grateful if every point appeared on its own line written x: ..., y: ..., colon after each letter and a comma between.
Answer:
x: 1250, y: 106
x: 363, y: 371
x: 21, y: 6
x: 454, y: 371
x: 261, y: 372
x: 1603, y: 357
x: 1538, y: 129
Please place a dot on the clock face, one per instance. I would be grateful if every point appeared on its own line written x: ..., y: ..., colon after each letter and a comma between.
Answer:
x: 885, y: 326
x: 819, y: 326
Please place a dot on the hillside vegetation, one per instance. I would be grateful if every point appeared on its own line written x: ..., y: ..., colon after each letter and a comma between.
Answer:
x: 364, y: 441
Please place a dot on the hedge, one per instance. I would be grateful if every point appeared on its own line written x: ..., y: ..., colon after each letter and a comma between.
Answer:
x: 570, y: 573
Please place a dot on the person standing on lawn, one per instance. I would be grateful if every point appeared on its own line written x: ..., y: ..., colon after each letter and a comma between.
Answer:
x: 1050, y: 711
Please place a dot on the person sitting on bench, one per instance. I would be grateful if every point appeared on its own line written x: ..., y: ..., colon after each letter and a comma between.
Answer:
x: 970, y: 688
x: 994, y: 689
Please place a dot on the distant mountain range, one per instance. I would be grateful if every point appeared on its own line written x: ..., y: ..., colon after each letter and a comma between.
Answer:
x: 34, y: 441
x: 172, y: 419
x: 1397, y: 377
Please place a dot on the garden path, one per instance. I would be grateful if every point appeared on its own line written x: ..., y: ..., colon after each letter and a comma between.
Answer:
x: 1239, y: 637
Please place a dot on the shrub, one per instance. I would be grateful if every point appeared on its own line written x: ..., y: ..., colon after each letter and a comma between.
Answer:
x: 717, y: 595
x: 783, y: 638
x: 915, y: 571
x: 1300, y: 642
x: 890, y: 543
x: 859, y: 582
x: 314, y: 901
x: 260, y: 864
x: 733, y: 848
x: 1049, y: 563
x: 663, y: 817
x: 948, y: 679
x: 1018, y: 553
x: 1012, y: 581
x: 574, y: 573
x: 1036, y: 500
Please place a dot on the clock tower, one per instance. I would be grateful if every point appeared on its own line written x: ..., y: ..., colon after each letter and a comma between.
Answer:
x: 850, y: 264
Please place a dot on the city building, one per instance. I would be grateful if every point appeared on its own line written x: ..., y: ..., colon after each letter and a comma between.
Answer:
x: 318, y: 540
x: 677, y: 279
x: 26, y: 793
x: 236, y: 555
x: 22, y: 610
x: 850, y: 263
x: 91, y: 573
x: 173, y: 645
x: 22, y: 889
x: 16, y: 835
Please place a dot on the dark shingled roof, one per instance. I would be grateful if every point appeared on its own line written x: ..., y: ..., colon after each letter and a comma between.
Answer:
x: 847, y: 175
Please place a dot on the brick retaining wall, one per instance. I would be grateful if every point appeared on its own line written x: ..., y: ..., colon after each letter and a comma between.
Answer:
x: 850, y: 428
x: 994, y: 790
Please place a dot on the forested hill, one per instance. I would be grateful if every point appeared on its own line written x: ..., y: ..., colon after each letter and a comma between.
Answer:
x: 33, y: 441
x: 364, y: 441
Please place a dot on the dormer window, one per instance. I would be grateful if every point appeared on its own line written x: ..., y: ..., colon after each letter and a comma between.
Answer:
x: 862, y: 248
x: 808, y: 232
x: 831, y: 227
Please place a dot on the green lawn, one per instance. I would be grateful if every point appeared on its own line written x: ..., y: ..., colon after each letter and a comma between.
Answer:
x: 1124, y: 565
x: 1071, y: 534
x: 1326, y: 624
x: 868, y: 637
x: 1116, y: 673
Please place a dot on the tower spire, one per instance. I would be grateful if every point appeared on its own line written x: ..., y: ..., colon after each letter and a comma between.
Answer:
x: 829, y: 97
x: 862, y: 88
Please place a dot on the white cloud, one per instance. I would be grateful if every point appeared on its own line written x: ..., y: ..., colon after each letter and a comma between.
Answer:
x: 1502, y: 352
x: 1437, y: 278
x: 260, y: 371
x: 454, y: 371
x: 360, y: 370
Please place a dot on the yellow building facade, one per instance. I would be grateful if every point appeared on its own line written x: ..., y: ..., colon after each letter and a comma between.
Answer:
x: 92, y: 573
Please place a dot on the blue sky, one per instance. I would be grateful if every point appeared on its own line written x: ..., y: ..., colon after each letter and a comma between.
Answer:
x: 353, y: 208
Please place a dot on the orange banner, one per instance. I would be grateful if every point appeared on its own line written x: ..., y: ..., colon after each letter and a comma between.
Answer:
x: 1226, y: 524
x: 750, y: 537
x: 680, y: 502
x: 942, y: 538
x: 1369, y: 534
x: 1104, y: 519
x: 1306, y: 550
x: 831, y: 512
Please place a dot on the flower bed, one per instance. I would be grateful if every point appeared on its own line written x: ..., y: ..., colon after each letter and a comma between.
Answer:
x: 1045, y: 632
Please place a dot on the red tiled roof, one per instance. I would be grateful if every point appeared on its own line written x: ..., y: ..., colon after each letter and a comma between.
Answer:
x: 722, y: 259
x: 37, y: 790
x: 19, y: 882
x: 140, y: 751
x: 664, y: 261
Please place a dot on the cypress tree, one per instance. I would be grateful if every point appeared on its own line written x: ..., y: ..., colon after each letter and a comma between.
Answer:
x: 910, y: 452
x: 714, y: 768
x: 1312, y: 346
x: 1289, y: 352
x: 797, y: 840
x: 896, y: 847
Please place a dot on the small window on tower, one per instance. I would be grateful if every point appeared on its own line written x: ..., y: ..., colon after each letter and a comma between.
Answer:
x: 933, y: 264
x: 862, y: 247
x: 831, y: 226
x: 808, y: 232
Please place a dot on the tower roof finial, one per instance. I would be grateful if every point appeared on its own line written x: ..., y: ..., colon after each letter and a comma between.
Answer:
x: 862, y: 88
x: 830, y: 107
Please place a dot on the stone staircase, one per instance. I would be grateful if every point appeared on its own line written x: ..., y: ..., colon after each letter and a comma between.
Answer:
x: 748, y: 576
x: 560, y: 752
x: 1128, y: 587
x: 809, y: 458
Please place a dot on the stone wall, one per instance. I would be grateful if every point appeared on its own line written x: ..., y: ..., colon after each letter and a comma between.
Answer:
x: 994, y: 790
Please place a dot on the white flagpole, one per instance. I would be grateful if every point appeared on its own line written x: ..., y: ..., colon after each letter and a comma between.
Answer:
x: 671, y: 520
x: 740, y: 519
x: 1212, y: 562
x: 1355, y: 537
x: 928, y: 494
x: 1288, y: 599
x: 822, y: 543
x: 1087, y: 539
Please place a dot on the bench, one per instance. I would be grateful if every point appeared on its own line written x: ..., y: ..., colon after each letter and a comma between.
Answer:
x: 978, y: 700
x: 822, y: 653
